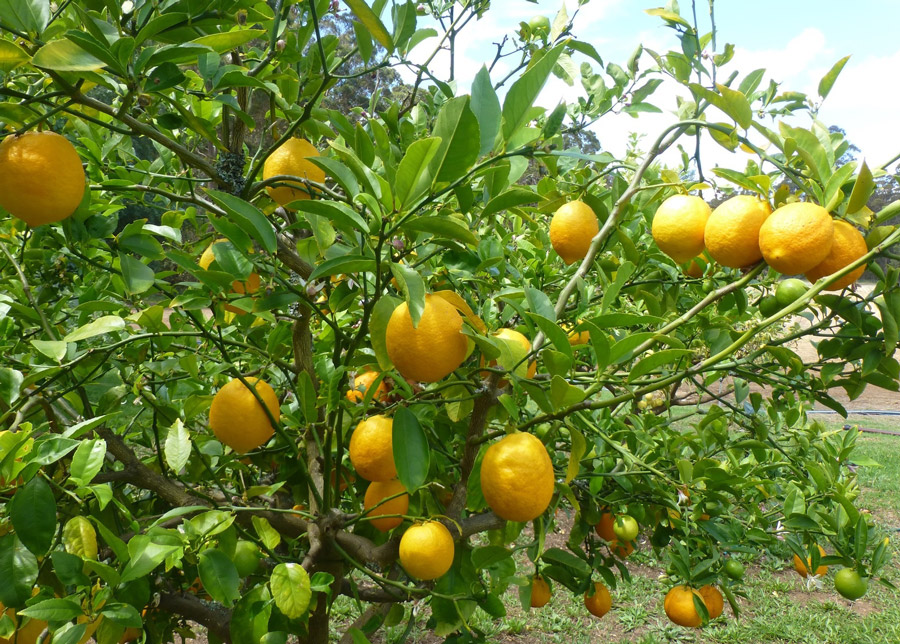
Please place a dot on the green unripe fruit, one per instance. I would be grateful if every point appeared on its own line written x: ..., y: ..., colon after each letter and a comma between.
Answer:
x: 789, y: 291
x: 734, y: 569
x: 246, y: 558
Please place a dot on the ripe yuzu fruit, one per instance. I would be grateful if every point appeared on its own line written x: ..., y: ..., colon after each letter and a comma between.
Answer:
x: 796, y: 237
x: 372, y: 449
x: 361, y: 385
x: 426, y: 550
x: 517, y: 477
x: 517, y: 347
x: 41, y: 178
x: 540, y: 592
x: 679, y: 225
x: 292, y: 158
x: 679, y: 606
x: 434, y: 348
x: 377, y: 492
x: 713, y: 599
x: 238, y: 420
x: 572, y: 228
x: 849, y: 245
x: 599, y: 602
x: 732, y: 231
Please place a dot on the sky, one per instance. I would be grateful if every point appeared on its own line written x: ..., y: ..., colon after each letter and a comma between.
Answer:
x: 796, y: 41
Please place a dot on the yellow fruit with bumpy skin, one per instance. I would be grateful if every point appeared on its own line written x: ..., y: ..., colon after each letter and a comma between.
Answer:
x: 426, y: 550
x: 372, y: 449
x: 540, y: 592
x: 679, y: 606
x: 796, y: 237
x: 679, y: 225
x: 432, y: 350
x: 361, y: 385
x: 802, y: 567
x: 238, y: 420
x: 292, y: 158
x: 517, y: 477
x: 41, y: 178
x: 598, y: 603
x: 378, y: 492
x: 571, y: 230
x: 517, y: 347
x: 715, y: 604
x: 849, y: 245
x: 732, y: 231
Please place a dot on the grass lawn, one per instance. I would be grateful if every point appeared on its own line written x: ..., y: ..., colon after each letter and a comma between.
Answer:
x: 778, y: 608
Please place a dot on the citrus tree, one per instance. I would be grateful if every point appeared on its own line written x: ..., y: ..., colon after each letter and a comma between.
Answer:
x: 259, y: 353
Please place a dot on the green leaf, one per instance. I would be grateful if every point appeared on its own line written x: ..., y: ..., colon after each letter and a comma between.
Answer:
x: 486, y: 108
x: 522, y: 94
x: 340, y: 214
x: 33, y: 514
x: 513, y: 197
x: 178, y: 446
x: 441, y: 227
x: 267, y: 534
x: 18, y: 571
x: 30, y: 16
x: 737, y: 106
x: 413, y: 289
x: 291, y: 589
x: 611, y: 295
x: 411, y: 452
x: 372, y: 23
x: 567, y: 560
x: 105, y: 324
x: 862, y: 189
x: 413, y: 175
x: 53, y: 610
x: 656, y: 360
x: 54, y: 350
x: 554, y: 333
x: 250, y: 619
x: 219, y: 576
x: 579, y: 449
x: 11, y: 55
x: 829, y: 79
x: 226, y: 41
x: 137, y: 275
x: 563, y: 394
x: 65, y: 56
x: 147, y: 552
x: 459, y: 132
x: 346, y: 264
x: 381, y: 314
x: 87, y: 461
x: 10, y: 384
x: 669, y: 16
x: 80, y: 538
x: 123, y: 614
x: 248, y: 217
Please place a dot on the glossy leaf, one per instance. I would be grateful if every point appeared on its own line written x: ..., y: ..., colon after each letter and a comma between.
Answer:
x: 486, y: 107
x: 413, y: 174
x: 11, y: 55
x: 65, y: 56
x: 80, y: 538
x: 411, y: 452
x: 18, y: 571
x: 219, y: 576
x: 100, y: 326
x: 372, y: 23
x: 291, y: 589
x: 248, y: 217
x: 656, y: 360
x: 458, y: 129
x: 523, y: 93
x: 33, y: 514
x: 829, y: 79
x: 10, y: 384
x: 29, y: 16
x: 413, y: 288
x: 862, y: 189
x: 87, y: 461
x: 178, y: 446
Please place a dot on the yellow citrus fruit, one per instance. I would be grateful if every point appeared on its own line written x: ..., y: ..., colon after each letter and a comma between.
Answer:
x: 695, y: 268
x: 41, y: 178
x: 802, y: 567
x: 361, y: 385
x: 572, y: 228
x: 432, y: 350
x: 605, y: 527
x: 426, y: 550
x: 598, y: 603
x: 292, y: 158
x: 849, y: 245
x: 377, y: 492
x: 540, y: 592
x: 678, y: 226
x: 518, y: 346
x: 372, y: 449
x: 713, y: 599
x: 517, y: 477
x: 796, y: 237
x: 238, y: 420
x: 578, y: 338
x: 250, y: 285
x: 131, y: 634
x: 679, y: 606
x: 732, y: 231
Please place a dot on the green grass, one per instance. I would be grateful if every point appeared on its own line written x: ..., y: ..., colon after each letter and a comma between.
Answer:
x: 778, y: 607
